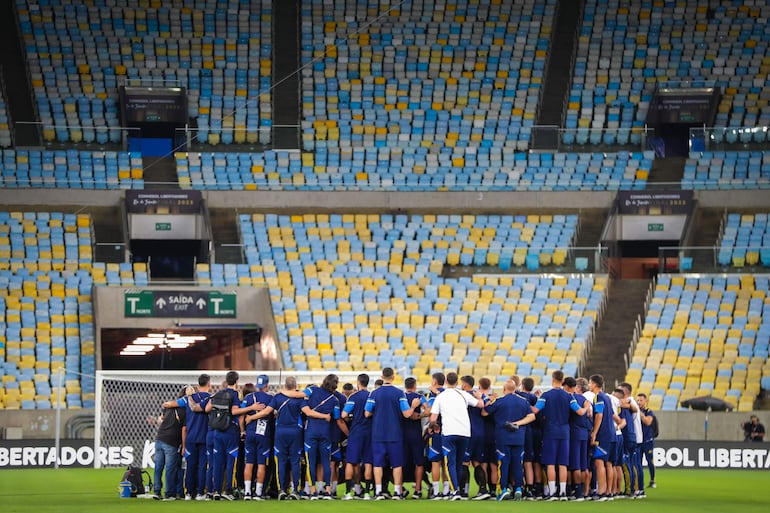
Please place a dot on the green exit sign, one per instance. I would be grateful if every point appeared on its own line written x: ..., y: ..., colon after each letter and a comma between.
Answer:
x: 162, y: 227
x: 654, y: 227
x: 180, y: 303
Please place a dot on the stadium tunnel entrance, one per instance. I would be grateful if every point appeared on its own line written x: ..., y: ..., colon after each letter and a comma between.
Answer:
x: 180, y: 349
x: 185, y: 328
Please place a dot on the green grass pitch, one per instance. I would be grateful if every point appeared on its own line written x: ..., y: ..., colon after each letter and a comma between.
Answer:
x: 89, y: 490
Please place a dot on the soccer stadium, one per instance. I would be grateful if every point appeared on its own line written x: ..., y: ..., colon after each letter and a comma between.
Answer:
x: 215, y: 212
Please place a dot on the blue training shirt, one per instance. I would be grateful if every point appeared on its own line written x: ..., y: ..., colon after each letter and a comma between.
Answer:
x: 321, y: 401
x: 355, y: 406
x: 386, y: 404
x: 197, y: 422
x: 510, y: 407
x: 603, y: 405
x: 556, y: 405
x: 288, y: 412
x: 263, y: 426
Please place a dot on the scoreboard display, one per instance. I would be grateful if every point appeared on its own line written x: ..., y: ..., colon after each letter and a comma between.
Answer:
x: 141, y: 105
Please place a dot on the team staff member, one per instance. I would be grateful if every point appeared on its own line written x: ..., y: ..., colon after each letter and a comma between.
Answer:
x: 259, y: 439
x: 556, y: 405
x: 452, y: 405
x: 387, y: 406
x: 197, y: 424
x: 647, y: 417
x: 359, y: 450
x: 511, y: 413
x: 287, y: 409
x: 475, y: 452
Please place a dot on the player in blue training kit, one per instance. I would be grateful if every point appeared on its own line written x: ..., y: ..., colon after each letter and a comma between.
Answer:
x: 511, y: 413
x: 387, y: 406
x: 414, y: 446
x: 475, y: 453
x: 195, y: 441
x: 359, y: 450
x: 434, y: 452
x: 533, y: 444
x: 321, y: 408
x: 602, y: 438
x: 579, y: 433
x: 556, y: 405
x: 226, y: 444
x: 286, y: 407
x: 258, y: 445
x: 628, y: 445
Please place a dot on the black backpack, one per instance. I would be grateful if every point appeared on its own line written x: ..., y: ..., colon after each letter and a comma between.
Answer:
x: 655, y: 427
x: 135, y: 475
x: 220, y: 416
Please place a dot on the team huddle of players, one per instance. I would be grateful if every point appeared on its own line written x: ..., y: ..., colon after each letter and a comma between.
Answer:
x: 571, y: 442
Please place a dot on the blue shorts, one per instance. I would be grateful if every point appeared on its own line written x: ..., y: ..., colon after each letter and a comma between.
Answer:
x: 533, y: 445
x: 257, y: 449
x: 578, y: 454
x: 476, y: 449
x: 336, y: 451
x: 435, y: 452
x: 388, y: 454
x: 555, y: 451
x: 618, y: 461
x: 359, y: 449
x: 604, y: 450
x: 414, y: 451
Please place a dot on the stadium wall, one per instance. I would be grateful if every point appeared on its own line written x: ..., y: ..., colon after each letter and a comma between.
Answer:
x: 474, y: 201
x: 674, y: 425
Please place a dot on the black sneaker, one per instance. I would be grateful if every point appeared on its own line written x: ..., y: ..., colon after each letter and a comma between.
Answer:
x: 481, y: 496
x: 380, y: 497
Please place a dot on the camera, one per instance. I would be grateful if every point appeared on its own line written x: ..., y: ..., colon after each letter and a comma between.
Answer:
x: 511, y: 426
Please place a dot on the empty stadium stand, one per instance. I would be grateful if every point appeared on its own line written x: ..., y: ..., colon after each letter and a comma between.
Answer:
x: 413, y: 169
x: 422, y: 73
x: 703, y: 335
x: 73, y: 169
x: 727, y: 170
x: 359, y: 291
x: 78, y: 56
x: 745, y: 241
x: 46, y: 311
x: 627, y: 50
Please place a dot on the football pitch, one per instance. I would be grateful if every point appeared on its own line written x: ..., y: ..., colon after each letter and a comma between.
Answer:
x: 89, y: 490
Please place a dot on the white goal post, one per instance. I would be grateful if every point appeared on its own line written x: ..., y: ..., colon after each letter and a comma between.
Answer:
x: 128, y: 404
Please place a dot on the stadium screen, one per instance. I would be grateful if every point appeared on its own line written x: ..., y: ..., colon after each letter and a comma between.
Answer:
x: 153, y: 105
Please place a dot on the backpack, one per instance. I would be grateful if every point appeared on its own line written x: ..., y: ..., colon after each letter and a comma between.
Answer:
x: 220, y: 416
x: 655, y: 427
x: 135, y: 475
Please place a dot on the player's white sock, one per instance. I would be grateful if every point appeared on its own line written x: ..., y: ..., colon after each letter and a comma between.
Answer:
x: 357, y: 488
x: 562, y: 488
x: 334, y: 487
x: 397, y: 489
x: 247, y: 486
x: 258, y: 489
x: 319, y: 485
x: 551, y: 488
x: 446, y: 487
x: 378, y: 489
x: 436, y: 487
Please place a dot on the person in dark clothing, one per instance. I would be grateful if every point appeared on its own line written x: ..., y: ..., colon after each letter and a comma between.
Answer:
x: 169, y: 444
x: 753, y: 430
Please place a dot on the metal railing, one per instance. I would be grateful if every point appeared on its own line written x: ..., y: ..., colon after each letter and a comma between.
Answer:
x: 729, y: 138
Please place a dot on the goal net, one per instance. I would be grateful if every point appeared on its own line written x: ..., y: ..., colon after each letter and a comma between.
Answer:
x: 128, y: 407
